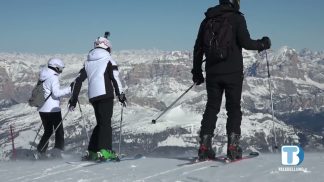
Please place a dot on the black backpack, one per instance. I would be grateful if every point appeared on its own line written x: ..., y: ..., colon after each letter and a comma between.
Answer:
x: 37, y: 97
x: 218, y: 37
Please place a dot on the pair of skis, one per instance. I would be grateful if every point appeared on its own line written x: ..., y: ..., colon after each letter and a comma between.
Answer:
x: 226, y: 160
x: 223, y: 159
x: 87, y: 163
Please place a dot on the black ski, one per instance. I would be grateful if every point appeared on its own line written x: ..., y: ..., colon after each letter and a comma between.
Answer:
x: 244, y: 157
x: 222, y: 159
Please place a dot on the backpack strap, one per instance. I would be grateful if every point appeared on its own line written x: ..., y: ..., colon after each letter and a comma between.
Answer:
x: 48, y: 95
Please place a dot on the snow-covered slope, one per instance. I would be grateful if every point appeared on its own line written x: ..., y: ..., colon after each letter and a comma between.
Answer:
x: 265, y: 168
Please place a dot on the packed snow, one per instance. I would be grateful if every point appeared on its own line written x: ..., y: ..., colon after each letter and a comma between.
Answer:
x: 265, y: 168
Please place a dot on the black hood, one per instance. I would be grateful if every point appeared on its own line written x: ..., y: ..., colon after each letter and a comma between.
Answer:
x: 219, y: 10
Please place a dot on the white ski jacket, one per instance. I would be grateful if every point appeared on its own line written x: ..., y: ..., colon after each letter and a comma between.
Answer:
x: 51, y: 85
x: 103, y: 76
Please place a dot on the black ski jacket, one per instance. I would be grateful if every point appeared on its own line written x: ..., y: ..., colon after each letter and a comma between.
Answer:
x: 234, y: 62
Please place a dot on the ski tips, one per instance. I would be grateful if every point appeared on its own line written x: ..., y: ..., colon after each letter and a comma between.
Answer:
x: 153, y: 121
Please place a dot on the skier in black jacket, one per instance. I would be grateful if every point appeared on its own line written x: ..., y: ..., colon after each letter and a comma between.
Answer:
x: 224, y: 76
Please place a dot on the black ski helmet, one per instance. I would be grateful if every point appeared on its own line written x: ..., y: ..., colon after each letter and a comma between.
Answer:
x: 234, y: 3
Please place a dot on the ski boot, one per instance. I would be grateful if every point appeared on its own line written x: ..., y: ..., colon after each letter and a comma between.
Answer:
x: 234, y: 151
x: 206, y: 151
x: 104, y: 155
x: 89, y: 156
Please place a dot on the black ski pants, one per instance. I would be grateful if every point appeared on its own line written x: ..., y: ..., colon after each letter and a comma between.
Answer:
x: 216, y: 85
x: 51, y: 121
x: 101, y: 137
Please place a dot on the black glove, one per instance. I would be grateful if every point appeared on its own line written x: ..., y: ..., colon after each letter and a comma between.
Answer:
x: 122, y: 99
x: 71, y: 105
x: 197, y: 77
x: 265, y: 43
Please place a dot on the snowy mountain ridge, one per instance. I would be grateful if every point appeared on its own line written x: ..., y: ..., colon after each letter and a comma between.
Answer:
x: 154, y: 79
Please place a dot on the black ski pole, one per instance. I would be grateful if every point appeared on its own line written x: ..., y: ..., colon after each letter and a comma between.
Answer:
x: 154, y: 120
x: 120, y: 128
x: 36, y: 136
x: 55, y: 129
x: 271, y: 98
x: 84, y: 123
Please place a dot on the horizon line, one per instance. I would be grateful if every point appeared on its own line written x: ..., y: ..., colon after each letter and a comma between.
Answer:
x: 154, y: 49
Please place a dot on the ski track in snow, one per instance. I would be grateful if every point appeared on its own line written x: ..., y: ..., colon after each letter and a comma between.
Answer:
x: 46, y: 173
x: 174, y: 170
x: 57, y: 172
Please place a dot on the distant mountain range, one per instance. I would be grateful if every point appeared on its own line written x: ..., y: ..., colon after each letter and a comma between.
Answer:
x: 154, y: 79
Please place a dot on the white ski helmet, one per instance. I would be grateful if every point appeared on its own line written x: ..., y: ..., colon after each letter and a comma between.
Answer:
x: 56, y: 63
x: 102, y: 42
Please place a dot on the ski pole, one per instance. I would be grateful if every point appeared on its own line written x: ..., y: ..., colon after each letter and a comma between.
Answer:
x: 271, y: 98
x: 55, y: 129
x: 120, y: 128
x: 36, y: 136
x: 84, y: 123
x: 154, y: 120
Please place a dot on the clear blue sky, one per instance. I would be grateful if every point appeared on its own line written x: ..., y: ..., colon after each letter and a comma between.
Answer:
x: 70, y: 26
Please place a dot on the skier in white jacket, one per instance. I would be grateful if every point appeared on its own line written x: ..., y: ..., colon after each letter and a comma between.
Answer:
x: 103, y: 80
x: 50, y: 112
